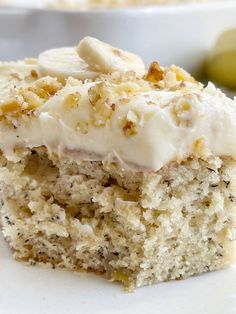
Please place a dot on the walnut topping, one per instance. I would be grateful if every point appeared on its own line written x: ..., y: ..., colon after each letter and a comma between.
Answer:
x: 180, y: 112
x: 116, y: 87
x: 176, y: 78
x: 95, y: 93
x: 125, y: 82
x: 155, y: 73
x: 33, y: 100
x: 72, y: 100
x: 34, y: 74
x: 45, y: 87
x: 131, y: 123
x: 102, y: 114
x: 99, y: 96
x: 181, y: 74
x: 10, y: 106
x: 171, y: 78
x: 24, y: 100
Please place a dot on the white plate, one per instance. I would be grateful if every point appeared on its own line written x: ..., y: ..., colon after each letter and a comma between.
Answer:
x: 171, y: 34
x: 34, y: 290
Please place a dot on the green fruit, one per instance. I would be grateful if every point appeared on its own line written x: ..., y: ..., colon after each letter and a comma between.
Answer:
x: 220, y: 65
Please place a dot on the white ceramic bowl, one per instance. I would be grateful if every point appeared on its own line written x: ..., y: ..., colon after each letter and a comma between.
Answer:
x: 180, y: 34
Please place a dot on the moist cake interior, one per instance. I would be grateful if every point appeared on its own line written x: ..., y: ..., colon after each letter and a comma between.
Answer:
x: 138, y: 228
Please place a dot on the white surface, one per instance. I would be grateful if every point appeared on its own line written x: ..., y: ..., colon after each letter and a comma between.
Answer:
x: 34, y: 290
x: 172, y: 34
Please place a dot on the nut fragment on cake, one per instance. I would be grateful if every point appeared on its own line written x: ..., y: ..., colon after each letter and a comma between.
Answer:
x: 126, y: 173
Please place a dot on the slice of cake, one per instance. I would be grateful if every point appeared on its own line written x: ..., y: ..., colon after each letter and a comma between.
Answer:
x: 110, y: 169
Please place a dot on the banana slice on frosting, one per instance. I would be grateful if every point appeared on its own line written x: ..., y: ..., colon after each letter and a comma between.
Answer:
x: 105, y: 58
x: 64, y: 62
x: 91, y: 58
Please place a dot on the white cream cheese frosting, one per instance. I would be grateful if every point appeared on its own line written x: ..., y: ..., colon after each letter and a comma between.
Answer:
x: 168, y: 126
x: 144, y: 122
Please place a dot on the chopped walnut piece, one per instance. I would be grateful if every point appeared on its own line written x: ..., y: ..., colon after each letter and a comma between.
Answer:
x: 155, y: 73
x: 99, y: 96
x: 95, y: 93
x: 23, y: 100
x: 33, y: 100
x: 45, y: 87
x: 125, y: 82
x: 181, y: 74
x: 175, y: 78
x: 102, y: 114
x: 171, y: 78
x: 34, y: 74
x: 71, y: 100
x: 131, y: 123
x: 11, y: 105
x: 179, y: 111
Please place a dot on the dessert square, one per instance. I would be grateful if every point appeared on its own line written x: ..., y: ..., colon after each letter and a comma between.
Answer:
x: 107, y: 167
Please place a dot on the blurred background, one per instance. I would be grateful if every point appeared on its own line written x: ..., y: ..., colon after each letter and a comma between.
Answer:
x: 170, y: 31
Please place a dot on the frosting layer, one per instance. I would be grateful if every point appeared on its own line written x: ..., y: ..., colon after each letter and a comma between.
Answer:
x: 130, y: 122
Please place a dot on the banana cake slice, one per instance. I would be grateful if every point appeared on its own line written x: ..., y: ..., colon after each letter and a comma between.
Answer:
x: 110, y: 168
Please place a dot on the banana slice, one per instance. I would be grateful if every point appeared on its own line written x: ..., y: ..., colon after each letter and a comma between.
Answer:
x: 104, y: 58
x: 221, y: 62
x: 64, y: 62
